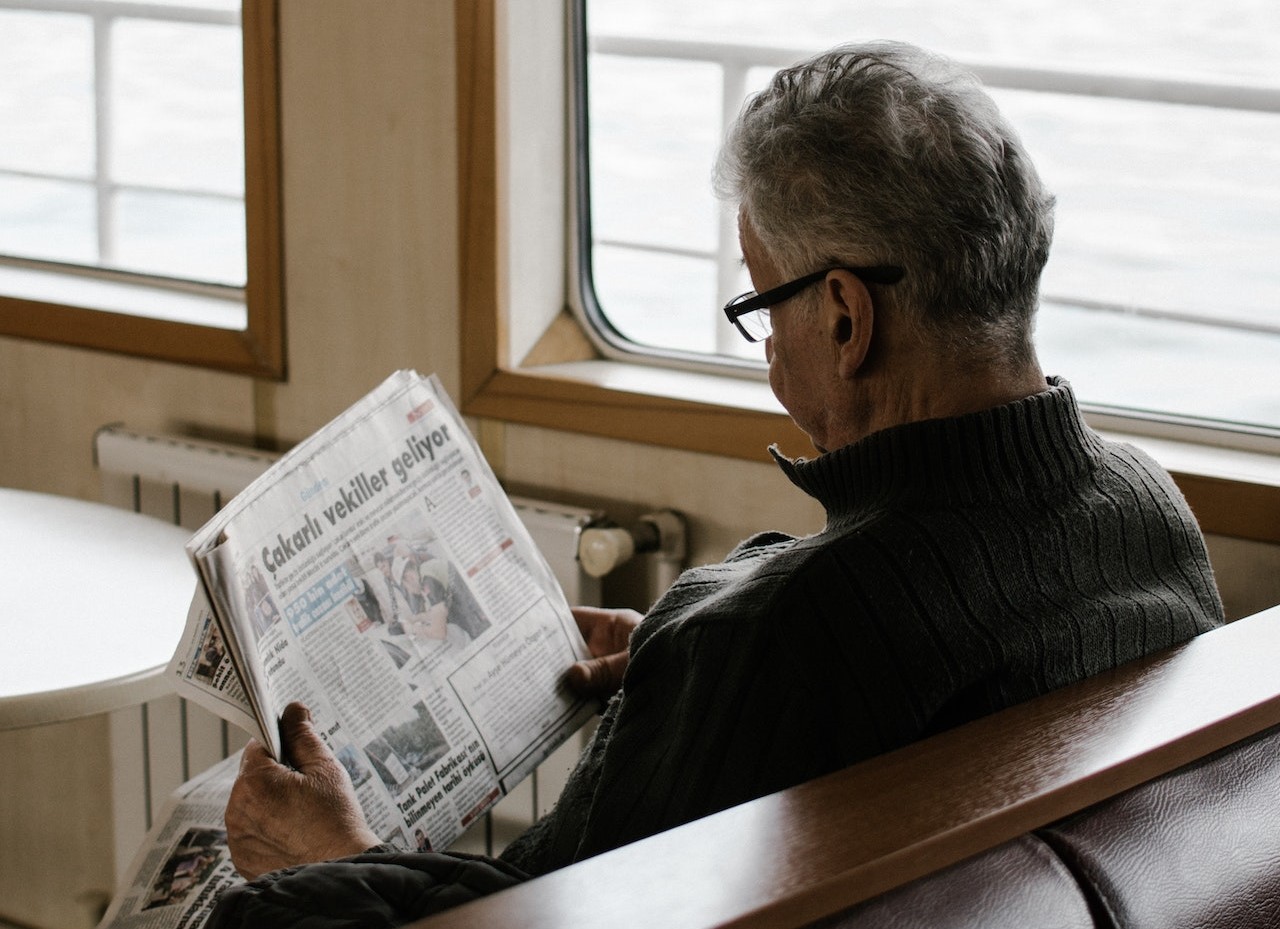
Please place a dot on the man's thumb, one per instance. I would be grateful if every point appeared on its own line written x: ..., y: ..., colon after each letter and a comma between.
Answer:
x: 303, y: 746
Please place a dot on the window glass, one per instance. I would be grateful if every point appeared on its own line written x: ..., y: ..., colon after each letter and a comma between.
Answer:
x: 177, y: 106
x: 41, y: 218
x: 46, y: 98
x: 124, y: 140
x: 1162, y: 294
x: 189, y: 237
x: 650, y: 199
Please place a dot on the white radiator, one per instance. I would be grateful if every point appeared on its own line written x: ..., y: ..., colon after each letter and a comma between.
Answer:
x: 156, y: 746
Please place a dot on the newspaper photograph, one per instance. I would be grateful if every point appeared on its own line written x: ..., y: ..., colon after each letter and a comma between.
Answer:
x: 379, y: 574
x: 183, y: 863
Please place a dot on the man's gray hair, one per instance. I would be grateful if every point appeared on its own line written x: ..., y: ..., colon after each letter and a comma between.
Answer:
x: 886, y: 154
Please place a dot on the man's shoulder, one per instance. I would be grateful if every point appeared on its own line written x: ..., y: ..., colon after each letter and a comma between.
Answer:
x: 754, y: 588
x: 1131, y: 463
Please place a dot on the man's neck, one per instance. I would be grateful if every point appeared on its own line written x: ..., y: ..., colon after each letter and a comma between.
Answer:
x: 938, y: 392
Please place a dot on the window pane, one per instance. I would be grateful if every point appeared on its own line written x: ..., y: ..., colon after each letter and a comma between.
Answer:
x: 654, y: 136
x: 200, y: 238
x: 655, y: 217
x: 1168, y: 215
x: 46, y: 95
x: 48, y: 219
x: 1159, y: 366
x: 176, y: 106
x: 1160, y: 206
x: 658, y: 300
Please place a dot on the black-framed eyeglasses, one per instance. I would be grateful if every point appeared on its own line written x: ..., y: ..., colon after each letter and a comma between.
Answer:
x: 749, y: 312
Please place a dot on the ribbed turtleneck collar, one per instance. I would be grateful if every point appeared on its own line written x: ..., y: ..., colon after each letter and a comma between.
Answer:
x: 1035, y: 442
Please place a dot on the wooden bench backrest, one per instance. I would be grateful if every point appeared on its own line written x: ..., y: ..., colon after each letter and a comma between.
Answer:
x: 795, y: 856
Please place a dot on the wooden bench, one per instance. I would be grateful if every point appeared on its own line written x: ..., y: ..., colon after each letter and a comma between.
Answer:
x: 800, y: 855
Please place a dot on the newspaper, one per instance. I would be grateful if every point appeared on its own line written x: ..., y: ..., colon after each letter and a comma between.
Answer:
x: 177, y: 873
x: 379, y: 574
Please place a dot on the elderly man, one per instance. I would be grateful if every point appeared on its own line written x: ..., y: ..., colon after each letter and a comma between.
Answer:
x: 982, y: 544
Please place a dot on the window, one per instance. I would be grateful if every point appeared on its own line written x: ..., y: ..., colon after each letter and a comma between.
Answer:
x: 1157, y: 125
x: 139, y: 179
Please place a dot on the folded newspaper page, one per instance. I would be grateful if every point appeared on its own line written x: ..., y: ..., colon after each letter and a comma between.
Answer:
x: 175, y: 877
x: 379, y: 574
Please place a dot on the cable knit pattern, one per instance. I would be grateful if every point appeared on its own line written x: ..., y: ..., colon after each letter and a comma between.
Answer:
x: 967, y: 564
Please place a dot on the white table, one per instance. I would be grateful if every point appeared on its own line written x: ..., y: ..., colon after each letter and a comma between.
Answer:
x: 92, y: 602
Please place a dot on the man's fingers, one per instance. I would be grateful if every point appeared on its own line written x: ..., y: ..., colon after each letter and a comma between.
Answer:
x: 606, y: 630
x: 598, y: 677
x: 587, y: 617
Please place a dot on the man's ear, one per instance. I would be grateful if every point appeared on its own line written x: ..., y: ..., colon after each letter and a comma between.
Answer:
x: 849, y: 319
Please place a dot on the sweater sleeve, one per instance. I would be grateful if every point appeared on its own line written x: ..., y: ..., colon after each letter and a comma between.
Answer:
x: 716, y: 711
x: 368, y: 891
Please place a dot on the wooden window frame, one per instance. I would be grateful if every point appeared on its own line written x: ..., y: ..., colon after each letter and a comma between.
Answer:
x: 258, y: 349
x: 1234, y: 494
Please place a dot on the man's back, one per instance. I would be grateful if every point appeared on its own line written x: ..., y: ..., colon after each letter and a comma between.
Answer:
x: 967, y: 564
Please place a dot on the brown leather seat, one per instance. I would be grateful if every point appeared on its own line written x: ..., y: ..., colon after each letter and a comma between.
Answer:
x: 1019, y: 885
x: 1199, y: 847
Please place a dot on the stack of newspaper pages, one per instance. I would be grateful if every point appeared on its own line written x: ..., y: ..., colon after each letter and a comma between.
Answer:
x: 378, y: 574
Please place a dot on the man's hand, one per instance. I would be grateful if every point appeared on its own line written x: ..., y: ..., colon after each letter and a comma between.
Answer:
x: 279, y: 816
x: 608, y: 635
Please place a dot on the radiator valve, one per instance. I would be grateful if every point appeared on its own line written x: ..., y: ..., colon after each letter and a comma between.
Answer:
x: 603, y: 548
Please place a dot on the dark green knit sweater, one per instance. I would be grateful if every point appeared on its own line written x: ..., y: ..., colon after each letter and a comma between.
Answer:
x: 966, y: 564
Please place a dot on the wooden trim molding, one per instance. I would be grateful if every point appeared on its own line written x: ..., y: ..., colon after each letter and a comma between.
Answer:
x: 1232, y: 507
x: 559, y: 402
x: 483, y: 341
x: 257, y: 350
x: 264, y: 342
